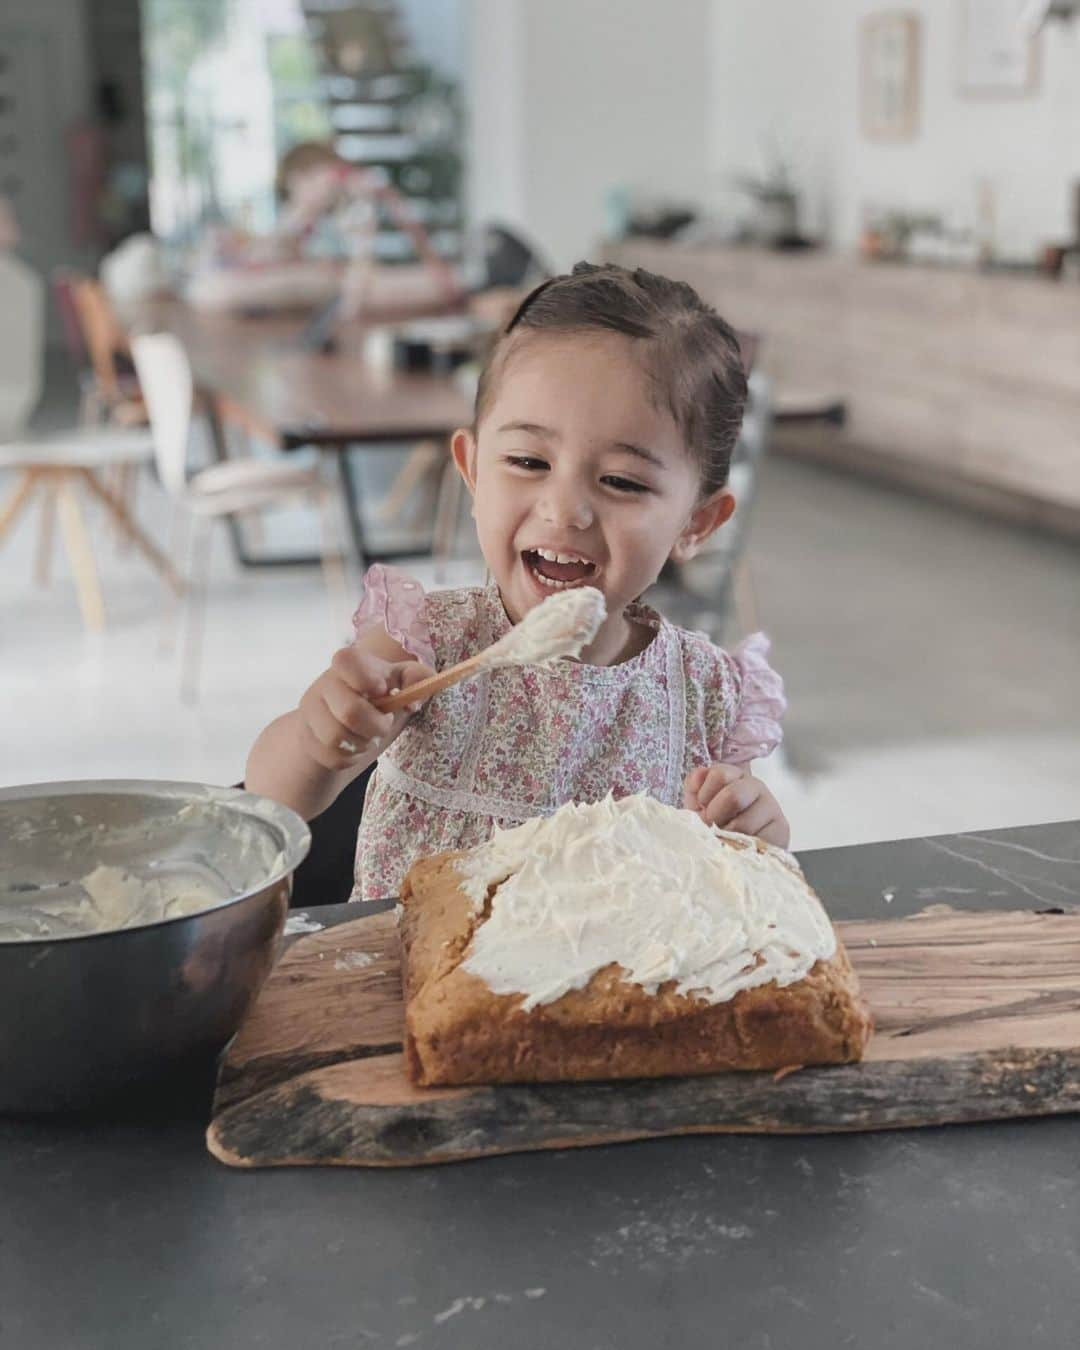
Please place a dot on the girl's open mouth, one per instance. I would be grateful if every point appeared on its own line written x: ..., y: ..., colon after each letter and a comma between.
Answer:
x: 558, y: 570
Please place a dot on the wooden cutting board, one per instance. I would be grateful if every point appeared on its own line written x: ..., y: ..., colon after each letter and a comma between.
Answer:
x: 978, y: 1018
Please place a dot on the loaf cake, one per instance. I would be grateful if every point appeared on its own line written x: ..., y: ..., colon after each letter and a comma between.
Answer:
x: 620, y: 939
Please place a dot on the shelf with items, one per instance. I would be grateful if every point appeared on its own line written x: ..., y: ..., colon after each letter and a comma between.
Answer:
x: 394, y: 115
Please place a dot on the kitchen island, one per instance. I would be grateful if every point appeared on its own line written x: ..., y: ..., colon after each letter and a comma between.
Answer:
x: 123, y: 1232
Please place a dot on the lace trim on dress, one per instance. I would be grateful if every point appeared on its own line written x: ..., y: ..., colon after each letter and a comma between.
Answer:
x: 676, y: 676
x: 469, y: 760
x: 455, y: 799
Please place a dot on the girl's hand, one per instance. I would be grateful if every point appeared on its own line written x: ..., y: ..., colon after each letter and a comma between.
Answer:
x: 729, y: 796
x: 338, y: 725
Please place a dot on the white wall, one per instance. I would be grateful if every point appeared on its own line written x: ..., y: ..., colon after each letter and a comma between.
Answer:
x: 570, y: 98
x: 789, y: 69
x: 494, y: 136
x: 616, y: 92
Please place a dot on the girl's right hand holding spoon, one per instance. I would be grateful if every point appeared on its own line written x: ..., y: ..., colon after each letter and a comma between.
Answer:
x: 339, y: 724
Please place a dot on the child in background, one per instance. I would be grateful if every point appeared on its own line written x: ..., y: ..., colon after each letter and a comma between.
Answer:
x: 604, y: 426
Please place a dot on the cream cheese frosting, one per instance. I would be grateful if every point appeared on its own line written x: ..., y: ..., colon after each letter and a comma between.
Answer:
x: 109, y: 898
x: 73, y: 877
x: 649, y: 887
x: 558, y: 627
x: 121, y: 900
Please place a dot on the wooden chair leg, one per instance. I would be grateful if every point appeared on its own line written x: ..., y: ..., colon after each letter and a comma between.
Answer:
x: 109, y: 478
x: 46, y: 530
x: 81, y: 553
x: 127, y: 488
x: 18, y: 498
x: 120, y: 516
x: 202, y: 542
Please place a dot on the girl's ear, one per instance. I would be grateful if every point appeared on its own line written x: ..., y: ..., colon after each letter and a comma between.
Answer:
x: 463, y: 449
x: 707, y: 516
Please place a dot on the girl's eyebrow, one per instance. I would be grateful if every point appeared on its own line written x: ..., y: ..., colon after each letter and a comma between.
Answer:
x: 535, y: 429
x: 641, y: 453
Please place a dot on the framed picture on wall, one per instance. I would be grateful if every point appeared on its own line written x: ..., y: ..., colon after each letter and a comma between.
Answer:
x: 998, y: 55
x: 889, y: 75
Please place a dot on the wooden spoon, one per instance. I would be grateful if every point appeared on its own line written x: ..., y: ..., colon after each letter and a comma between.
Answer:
x: 559, y: 626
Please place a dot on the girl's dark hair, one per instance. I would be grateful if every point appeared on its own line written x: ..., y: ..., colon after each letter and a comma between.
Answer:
x: 691, y: 354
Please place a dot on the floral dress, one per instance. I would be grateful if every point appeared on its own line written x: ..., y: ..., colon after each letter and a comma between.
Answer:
x: 511, y: 744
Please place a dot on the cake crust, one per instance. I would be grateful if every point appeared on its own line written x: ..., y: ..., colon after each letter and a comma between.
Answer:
x: 459, y: 1032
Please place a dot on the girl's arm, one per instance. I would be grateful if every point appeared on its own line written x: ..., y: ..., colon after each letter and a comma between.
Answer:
x: 306, y: 757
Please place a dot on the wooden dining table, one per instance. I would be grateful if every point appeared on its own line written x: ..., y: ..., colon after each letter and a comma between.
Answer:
x: 266, y: 377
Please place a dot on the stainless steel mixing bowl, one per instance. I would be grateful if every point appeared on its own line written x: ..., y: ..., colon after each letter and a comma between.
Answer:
x: 90, y: 1015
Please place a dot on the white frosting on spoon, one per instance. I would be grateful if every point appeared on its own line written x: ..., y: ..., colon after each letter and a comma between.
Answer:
x: 647, y: 886
x: 558, y: 627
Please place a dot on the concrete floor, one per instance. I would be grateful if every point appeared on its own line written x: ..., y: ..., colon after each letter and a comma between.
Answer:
x: 931, y: 663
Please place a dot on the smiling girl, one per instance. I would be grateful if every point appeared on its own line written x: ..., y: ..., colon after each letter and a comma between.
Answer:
x: 603, y: 432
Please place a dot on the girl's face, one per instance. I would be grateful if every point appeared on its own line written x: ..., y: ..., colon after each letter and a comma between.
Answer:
x: 578, y: 480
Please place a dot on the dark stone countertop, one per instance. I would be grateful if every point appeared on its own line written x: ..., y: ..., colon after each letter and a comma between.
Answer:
x: 124, y: 1234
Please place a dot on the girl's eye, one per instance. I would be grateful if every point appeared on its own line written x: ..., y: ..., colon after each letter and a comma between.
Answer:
x: 526, y: 462
x: 620, y: 484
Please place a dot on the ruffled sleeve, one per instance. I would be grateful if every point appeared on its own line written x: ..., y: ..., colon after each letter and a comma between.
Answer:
x: 395, y: 601
x: 755, y: 729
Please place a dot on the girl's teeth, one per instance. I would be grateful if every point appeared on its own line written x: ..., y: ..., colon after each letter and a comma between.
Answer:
x: 551, y: 556
x: 536, y: 558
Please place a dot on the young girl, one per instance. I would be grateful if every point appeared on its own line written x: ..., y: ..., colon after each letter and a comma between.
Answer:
x: 603, y: 432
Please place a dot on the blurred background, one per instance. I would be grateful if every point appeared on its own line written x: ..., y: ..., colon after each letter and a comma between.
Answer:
x: 252, y: 253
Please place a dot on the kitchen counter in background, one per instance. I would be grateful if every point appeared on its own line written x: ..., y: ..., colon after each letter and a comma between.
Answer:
x: 125, y: 1234
x: 960, y: 383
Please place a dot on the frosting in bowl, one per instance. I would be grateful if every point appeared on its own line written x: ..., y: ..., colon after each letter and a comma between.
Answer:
x: 95, y: 862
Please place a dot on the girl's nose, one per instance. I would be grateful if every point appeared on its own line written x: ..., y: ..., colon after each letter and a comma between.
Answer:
x: 565, y: 508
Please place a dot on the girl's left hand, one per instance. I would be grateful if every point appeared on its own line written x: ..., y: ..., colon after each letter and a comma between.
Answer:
x: 729, y: 796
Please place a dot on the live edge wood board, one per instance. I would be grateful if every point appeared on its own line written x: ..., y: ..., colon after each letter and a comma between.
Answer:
x: 978, y: 1018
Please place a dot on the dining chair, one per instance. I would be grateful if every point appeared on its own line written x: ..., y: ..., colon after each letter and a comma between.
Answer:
x: 53, y: 469
x: 116, y: 390
x: 233, y: 488
x: 110, y: 386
